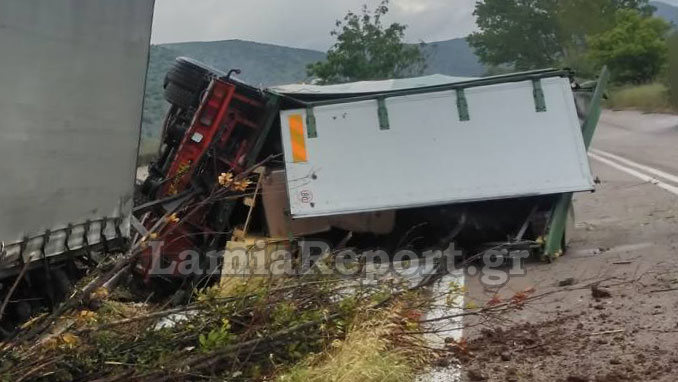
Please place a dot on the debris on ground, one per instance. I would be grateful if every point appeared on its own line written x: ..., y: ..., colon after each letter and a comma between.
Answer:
x: 296, y: 329
x: 598, y: 292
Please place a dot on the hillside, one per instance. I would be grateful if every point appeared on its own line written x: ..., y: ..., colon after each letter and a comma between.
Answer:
x: 261, y: 64
x: 666, y: 11
x: 265, y: 65
x: 452, y: 57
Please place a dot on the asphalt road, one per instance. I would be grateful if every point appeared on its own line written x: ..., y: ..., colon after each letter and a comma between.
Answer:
x: 625, y: 239
x: 647, y: 139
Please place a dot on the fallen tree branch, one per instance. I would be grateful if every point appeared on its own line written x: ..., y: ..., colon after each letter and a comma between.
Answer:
x: 663, y: 290
x: 13, y: 288
x: 607, y: 332
x: 232, y: 351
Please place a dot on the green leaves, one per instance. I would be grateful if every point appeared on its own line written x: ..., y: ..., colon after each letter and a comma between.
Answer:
x: 368, y: 50
x: 216, y: 338
x: 672, y: 69
x: 635, y: 49
x: 520, y: 33
x: 529, y: 34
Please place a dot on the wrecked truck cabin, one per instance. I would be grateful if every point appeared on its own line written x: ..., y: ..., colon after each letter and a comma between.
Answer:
x: 420, y: 162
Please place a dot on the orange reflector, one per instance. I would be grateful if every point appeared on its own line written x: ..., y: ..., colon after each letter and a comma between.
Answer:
x: 297, y: 137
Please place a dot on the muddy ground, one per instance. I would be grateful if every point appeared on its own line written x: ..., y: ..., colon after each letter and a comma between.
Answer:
x: 625, y: 242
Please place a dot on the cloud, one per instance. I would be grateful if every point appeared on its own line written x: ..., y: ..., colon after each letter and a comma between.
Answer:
x: 300, y: 23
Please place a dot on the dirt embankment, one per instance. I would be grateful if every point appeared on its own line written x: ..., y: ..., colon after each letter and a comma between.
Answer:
x: 627, y: 332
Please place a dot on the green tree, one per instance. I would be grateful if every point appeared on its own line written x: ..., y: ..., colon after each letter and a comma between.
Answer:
x: 530, y: 34
x: 672, y: 68
x: 520, y: 33
x: 367, y: 50
x: 634, y: 49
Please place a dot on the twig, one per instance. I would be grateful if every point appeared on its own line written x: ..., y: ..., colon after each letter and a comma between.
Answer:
x: 110, y: 284
x: 13, y: 288
x: 37, y: 368
x: 607, y: 332
x: 663, y: 290
x: 138, y: 318
x: 77, y: 297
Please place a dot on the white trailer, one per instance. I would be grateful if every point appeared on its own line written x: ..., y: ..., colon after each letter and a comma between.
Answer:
x: 440, y: 144
x: 72, y: 75
x: 443, y: 141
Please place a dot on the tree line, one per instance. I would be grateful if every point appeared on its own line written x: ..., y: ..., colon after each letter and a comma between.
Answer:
x: 581, y: 34
x: 517, y: 35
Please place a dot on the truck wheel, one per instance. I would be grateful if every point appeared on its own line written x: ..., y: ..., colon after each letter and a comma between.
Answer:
x: 186, y: 80
x: 189, y: 74
x: 181, y: 97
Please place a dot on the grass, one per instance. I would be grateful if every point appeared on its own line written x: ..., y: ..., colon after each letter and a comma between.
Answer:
x: 370, y: 352
x: 364, y: 356
x: 652, y: 98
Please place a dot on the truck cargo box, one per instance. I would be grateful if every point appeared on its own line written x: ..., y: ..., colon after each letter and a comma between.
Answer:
x: 427, y: 141
x: 72, y: 76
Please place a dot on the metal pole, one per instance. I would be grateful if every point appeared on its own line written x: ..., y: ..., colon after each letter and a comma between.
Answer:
x: 554, y: 240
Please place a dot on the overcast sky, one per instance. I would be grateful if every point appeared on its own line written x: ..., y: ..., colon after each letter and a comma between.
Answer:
x: 302, y: 23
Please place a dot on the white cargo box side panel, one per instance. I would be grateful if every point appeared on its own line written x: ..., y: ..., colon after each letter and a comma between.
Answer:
x: 72, y: 76
x: 428, y: 156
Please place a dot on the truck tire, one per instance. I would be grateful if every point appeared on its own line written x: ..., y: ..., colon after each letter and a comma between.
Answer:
x: 191, y: 74
x: 186, y: 80
x: 187, y: 75
x: 181, y: 97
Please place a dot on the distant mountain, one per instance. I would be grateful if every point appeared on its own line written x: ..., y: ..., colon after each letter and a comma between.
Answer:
x: 266, y: 65
x: 452, y: 57
x: 261, y: 64
x: 666, y: 11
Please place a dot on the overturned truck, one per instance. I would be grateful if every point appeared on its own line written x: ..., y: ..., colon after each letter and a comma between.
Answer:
x: 481, y: 162
x: 421, y: 162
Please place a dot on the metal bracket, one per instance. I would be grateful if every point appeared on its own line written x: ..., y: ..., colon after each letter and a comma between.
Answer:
x: 22, y: 249
x: 85, y: 239
x: 118, y: 231
x: 102, y: 233
x: 559, y: 215
x: 462, y: 106
x: 310, y: 123
x: 383, y: 114
x: 591, y: 122
x: 538, y: 93
x: 69, y: 230
x: 43, y: 245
